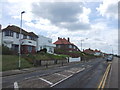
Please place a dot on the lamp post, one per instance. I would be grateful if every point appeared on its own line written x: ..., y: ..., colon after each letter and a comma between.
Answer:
x: 112, y: 49
x: 19, y: 66
x: 82, y: 41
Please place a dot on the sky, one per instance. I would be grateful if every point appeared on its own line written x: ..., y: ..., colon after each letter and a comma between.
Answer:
x: 93, y: 22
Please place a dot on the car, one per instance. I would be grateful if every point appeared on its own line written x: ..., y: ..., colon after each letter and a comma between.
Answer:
x: 109, y: 58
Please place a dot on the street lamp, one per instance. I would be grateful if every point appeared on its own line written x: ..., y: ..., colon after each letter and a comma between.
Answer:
x: 82, y: 41
x: 112, y: 48
x: 20, y: 40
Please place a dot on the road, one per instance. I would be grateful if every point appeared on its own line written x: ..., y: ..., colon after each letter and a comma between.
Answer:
x: 80, y: 75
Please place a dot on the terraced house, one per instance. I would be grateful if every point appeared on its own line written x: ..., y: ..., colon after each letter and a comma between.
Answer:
x: 29, y: 41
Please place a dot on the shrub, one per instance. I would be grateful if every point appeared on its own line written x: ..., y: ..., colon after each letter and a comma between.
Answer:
x: 6, y: 50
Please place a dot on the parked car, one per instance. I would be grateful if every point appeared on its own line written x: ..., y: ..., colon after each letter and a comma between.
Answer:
x: 109, y: 58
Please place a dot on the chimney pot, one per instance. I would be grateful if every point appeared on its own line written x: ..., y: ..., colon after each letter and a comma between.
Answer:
x: 68, y: 39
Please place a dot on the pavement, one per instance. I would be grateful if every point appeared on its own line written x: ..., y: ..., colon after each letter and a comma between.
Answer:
x: 33, y: 69
x: 112, y: 81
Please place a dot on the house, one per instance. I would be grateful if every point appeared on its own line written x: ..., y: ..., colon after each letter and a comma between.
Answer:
x: 65, y: 44
x: 44, y: 42
x: 97, y: 52
x: 93, y: 52
x: 30, y: 42
x: 88, y: 51
x: 11, y: 36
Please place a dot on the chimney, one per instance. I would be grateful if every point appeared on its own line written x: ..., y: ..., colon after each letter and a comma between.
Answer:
x: 68, y: 39
x: 58, y: 38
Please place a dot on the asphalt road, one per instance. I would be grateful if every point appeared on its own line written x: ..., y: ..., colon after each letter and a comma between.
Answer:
x: 80, y: 75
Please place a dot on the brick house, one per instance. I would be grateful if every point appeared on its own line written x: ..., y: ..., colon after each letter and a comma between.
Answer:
x: 88, y: 51
x: 93, y: 52
x: 64, y: 46
x: 11, y: 36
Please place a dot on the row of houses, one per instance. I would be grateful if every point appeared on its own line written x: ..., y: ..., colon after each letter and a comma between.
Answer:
x: 93, y: 52
x: 31, y: 43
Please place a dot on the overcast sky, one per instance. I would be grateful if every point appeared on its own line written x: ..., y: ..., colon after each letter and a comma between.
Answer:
x: 97, y: 21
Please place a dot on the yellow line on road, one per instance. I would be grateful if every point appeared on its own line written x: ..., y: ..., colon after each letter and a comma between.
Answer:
x: 103, y: 81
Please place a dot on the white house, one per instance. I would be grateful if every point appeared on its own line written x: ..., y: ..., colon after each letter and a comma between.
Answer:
x: 30, y: 42
x: 11, y: 36
x: 44, y: 42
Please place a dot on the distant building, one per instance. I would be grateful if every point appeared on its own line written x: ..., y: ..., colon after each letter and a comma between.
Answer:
x: 97, y: 52
x: 93, y: 52
x: 44, y: 42
x: 88, y: 51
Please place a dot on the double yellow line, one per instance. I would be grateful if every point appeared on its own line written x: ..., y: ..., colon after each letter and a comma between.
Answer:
x: 103, y: 81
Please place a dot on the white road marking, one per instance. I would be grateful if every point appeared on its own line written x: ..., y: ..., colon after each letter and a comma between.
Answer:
x: 61, y: 75
x: 16, y: 86
x: 80, y: 70
x: 46, y: 81
x: 69, y: 71
x: 61, y: 81
x: 35, y: 76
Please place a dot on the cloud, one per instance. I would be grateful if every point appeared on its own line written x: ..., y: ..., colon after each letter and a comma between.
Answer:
x: 69, y: 15
x: 109, y: 9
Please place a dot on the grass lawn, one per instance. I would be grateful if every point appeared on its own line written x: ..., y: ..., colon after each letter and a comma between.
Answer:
x: 10, y: 62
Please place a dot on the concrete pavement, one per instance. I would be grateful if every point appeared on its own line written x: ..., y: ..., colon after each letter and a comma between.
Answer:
x: 112, y: 81
x: 28, y: 70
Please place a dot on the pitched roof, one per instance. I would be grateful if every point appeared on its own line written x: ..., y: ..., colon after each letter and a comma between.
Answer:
x: 62, y: 41
x: 17, y: 29
x: 89, y: 51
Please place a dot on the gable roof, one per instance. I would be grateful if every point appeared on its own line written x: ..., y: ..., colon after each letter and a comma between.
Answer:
x: 17, y: 29
x: 62, y: 41
x: 90, y: 51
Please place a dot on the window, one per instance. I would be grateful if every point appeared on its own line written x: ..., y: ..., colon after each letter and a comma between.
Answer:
x: 40, y: 47
x: 58, y: 46
x: 24, y: 37
x: 9, y: 33
x: 29, y: 48
x: 17, y: 35
x: 49, y: 41
x: 70, y: 46
x: 29, y: 42
x: 32, y: 38
x: 50, y: 49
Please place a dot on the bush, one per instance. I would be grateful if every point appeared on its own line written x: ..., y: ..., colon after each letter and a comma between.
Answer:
x: 6, y: 50
x: 42, y: 51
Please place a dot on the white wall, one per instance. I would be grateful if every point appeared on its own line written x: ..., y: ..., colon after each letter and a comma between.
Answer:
x: 74, y: 59
x: 45, y: 42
